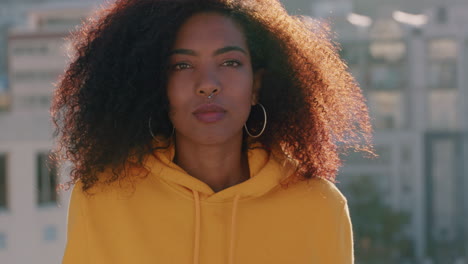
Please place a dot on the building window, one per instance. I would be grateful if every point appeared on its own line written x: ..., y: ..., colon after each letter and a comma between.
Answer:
x: 38, y: 101
x: 46, y: 179
x: 442, y: 74
x: 31, y: 76
x: 353, y: 54
x: 60, y: 22
x: 3, y: 181
x: 49, y: 233
x: 3, y: 241
x: 445, y: 194
x: 444, y: 187
x: 387, y: 64
x: 39, y: 49
x: 443, y: 112
x: 442, y: 66
x: 4, y: 93
x: 442, y: 81
x: 441, y: 15
x: 386, y: 109
x: 4, y: 102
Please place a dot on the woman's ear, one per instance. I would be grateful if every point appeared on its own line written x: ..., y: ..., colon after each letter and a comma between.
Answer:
x: 257, y: 83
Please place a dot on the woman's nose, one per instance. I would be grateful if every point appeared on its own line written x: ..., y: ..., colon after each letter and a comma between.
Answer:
x: 208, y: 84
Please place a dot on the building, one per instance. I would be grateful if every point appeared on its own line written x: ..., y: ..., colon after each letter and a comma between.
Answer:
x: 13, y: 13
x: 413, y: 70
x: 32, y: 214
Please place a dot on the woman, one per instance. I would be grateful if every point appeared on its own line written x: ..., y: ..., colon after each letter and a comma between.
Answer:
x: 207, y: 132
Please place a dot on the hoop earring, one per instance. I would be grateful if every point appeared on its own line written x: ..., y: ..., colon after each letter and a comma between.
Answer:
x: 151, y: 131
x: 264, y: 124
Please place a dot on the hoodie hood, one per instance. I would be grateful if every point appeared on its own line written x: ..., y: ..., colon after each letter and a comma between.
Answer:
x: 266, y: 172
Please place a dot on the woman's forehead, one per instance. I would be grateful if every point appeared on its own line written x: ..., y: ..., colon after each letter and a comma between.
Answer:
x: 208, y: 31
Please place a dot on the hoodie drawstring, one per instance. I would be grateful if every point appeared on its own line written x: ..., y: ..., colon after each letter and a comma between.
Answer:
x: 233, y: 229
x: 196, y: 242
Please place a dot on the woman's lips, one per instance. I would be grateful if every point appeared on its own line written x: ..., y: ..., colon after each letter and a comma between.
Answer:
x: 209, y: 113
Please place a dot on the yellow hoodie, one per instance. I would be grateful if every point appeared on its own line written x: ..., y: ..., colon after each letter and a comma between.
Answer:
x: 172, y: 217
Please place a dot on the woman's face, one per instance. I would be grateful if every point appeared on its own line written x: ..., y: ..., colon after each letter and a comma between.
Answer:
x: 211, y: 84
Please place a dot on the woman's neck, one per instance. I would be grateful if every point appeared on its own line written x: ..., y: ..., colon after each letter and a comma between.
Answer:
x: 219, y: 166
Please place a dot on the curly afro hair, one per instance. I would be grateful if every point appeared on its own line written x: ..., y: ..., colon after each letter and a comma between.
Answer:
x: 116, y: 81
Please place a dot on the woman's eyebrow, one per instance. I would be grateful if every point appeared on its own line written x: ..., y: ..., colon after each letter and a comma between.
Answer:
x: 229, y: 48
x: 217, y: 52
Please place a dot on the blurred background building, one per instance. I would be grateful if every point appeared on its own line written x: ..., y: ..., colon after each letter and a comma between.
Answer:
x: 33, y: 55
x: 411, y: 59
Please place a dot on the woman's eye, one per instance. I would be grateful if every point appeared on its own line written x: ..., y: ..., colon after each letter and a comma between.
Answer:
x: 181, y: 66
x: 232, y: 63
